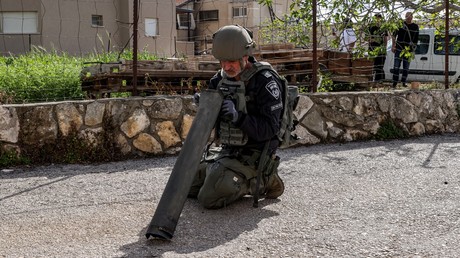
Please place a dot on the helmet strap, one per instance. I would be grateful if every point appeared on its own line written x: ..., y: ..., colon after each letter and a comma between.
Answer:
x: 243, y: 67
x: 242, y: 64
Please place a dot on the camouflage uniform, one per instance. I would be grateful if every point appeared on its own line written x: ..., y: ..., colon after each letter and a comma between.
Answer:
x: 229, y: 172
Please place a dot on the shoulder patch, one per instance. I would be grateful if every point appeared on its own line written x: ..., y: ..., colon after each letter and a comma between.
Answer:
x: 267, y: 74
x: 273, y: 89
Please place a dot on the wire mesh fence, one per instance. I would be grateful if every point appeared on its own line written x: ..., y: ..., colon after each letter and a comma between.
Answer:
x: 54, y: 50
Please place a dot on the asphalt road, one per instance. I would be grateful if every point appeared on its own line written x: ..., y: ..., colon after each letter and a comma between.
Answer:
x: 364, y: 199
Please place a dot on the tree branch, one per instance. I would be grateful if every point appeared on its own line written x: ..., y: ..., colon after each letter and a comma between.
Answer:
x: 430, y: 9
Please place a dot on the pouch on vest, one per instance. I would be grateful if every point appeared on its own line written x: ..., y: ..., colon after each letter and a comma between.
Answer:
x: 229, y: 133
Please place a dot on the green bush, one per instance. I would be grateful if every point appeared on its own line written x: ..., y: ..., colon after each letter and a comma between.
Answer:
x: 328, y: 85
x: 42, y: 76
x: 11, y: 159
x: 389, y: 130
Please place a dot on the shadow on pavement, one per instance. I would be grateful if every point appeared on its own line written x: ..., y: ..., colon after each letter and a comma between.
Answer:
x: 69, y: 170
x: 221, y: 226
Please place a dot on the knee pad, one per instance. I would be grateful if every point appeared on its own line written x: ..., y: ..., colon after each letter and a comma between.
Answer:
x: 221, y: 186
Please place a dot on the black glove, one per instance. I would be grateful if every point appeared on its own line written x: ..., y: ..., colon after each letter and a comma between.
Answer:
x: 228, y: 110
x: 196, y: 98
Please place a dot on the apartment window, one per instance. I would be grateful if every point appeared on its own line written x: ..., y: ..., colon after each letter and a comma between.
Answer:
x: 97, y: 21
x: 18, y: 22
x: 211, y: 15
x: 240, y: 11
x: 185, y: 21
x: 151, y: 27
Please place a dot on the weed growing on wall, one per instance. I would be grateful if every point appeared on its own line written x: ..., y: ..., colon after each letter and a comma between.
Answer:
x: 458, y: 108
x: 73, y: 148
x: 11, y: 159
x: 389, y: 130
x: 457, y: 103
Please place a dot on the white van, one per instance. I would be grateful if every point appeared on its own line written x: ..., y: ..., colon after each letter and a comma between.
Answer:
x: 429, y: 62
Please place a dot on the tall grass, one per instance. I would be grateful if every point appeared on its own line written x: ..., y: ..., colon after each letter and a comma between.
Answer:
x: 42, y: 76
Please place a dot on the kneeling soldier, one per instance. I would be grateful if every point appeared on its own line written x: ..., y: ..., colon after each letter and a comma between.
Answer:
x: 247, y: 127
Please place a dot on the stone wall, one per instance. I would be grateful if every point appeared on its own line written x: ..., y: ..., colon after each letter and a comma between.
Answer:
x: 158, y: 125
x: 333, y: 117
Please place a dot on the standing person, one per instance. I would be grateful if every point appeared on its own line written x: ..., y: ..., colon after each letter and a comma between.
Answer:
x: 377, y: 47
x: 404, y: 41
x: 247, y: 126
x: 348, y: 37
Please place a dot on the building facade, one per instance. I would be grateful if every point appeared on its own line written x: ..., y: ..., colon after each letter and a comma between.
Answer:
x: 168, y: 28
x: 211, y: 15
x: 86, y: 26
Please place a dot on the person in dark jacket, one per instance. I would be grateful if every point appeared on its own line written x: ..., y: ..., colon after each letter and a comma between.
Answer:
x: 247, y: 127
x: 377, y: 47
x: 404, y: 42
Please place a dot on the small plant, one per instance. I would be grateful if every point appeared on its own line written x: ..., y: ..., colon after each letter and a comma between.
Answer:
x: 389, y: 130
x: 455, y: 86
x: 74, y: 149
x: 328, y: 85
x: 11, y: 159
x: 121, y: 94
x: 334, y: 87
x: 458, y: 108
x: 457, y: 103
x: 326, y: 82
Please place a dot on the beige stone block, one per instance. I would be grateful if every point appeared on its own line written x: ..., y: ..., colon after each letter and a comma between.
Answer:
x: 147, y: 143
x: 306, y: 138
x: 168, y: 134
x: 434, y: 126
x: 186, y: 124
x: 9, y: 125
x: 303, y: 106
x: 354, y: 134
x: 39, y: 126
x: 94, y: 113
x: 92, y: 136
x: 136, y: 123
x: 123, y: 144
x: 167, y: 109
x: 417, y: 129
x: 68, y: 118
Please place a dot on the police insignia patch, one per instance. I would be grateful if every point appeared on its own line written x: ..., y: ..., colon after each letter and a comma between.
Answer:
x: 272, y: 87
x: 267, y: 74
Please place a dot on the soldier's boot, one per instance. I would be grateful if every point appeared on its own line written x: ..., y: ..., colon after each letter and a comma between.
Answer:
x: 275, y: 186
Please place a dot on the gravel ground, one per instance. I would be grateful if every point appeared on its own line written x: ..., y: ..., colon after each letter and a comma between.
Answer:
x: 363, y: 199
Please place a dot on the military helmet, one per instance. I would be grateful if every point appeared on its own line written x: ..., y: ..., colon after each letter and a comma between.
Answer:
x: 231, y: 43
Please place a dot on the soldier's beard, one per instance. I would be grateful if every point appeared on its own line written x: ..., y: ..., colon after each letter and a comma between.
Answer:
x: 232, y: 73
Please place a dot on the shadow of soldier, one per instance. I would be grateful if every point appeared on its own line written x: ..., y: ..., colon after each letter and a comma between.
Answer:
x: 201, y: 229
